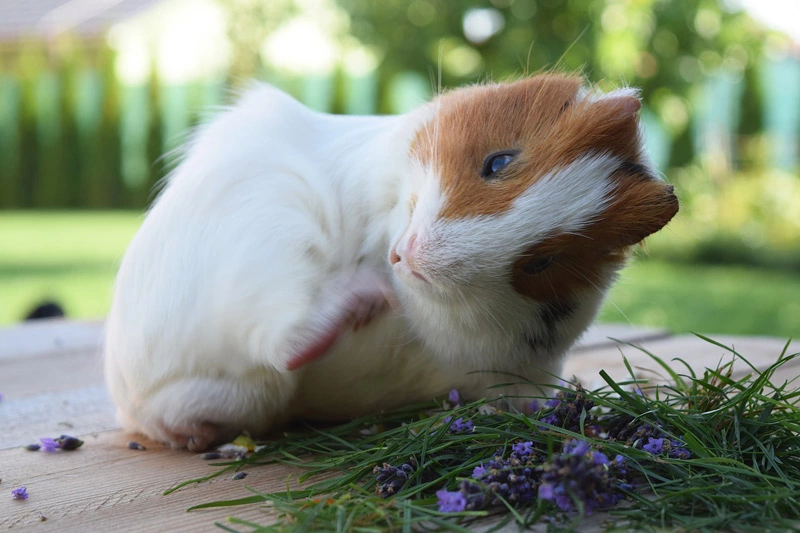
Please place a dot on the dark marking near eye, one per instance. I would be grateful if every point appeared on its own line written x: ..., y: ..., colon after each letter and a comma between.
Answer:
x: 537, y: 265
x: 554, y: 312
x: 495, y: 162
x: 550, y: 315
x: 635, y: 169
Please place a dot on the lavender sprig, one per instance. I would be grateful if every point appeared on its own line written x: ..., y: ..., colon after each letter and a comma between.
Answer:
x: 392, y: 479
x: 580, y: 474
x: 567, y: 409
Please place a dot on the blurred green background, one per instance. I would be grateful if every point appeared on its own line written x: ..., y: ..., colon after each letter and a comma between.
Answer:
x: 93, y: 95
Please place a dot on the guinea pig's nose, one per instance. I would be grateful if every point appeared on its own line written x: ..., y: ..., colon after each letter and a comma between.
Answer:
x: 406, y: 250
x: 393, y: 257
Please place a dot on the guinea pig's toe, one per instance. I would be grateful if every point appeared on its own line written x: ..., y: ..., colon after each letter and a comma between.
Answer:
x: 203, y: 437
x: 193, y: 437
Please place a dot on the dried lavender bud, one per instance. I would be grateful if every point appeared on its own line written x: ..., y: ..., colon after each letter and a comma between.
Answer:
x: 649, y: 438
x: 239, y: 475
x: 32, y: 447
x: 583, y: 474
x: 133, y: 445
x: 567, y: 408
x: 455, y: 398
x: 392, y: 479
x: 510, y: 479
x: 451, y: 501
x: 459, y: 425
x: 67, y: 443
x: 210, y: 456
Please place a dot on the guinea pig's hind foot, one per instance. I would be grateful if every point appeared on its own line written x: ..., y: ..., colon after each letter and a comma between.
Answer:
x: 349, y: 303
x: 194, y: 437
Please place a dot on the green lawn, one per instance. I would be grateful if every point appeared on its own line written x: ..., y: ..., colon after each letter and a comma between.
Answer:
x: 72, y: 257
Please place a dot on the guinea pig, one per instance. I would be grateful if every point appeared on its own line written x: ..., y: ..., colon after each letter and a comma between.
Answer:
x: 306, y: 265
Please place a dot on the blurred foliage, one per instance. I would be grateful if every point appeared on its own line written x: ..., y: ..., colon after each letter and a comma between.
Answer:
x: 666, y: 47
x: 73, y: 135
x: 249, y: 23
x: 752, y: 218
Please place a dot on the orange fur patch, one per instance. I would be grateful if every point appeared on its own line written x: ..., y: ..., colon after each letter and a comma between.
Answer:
x: 641, y: 206
x: 537, y: 116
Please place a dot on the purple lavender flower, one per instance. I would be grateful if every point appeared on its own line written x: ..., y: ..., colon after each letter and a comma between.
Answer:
x: 20, y: 493
x: 454, y: 397
x: 567, y: 408
x: 1, y: 396
x: 512, y: 479
x: 48, y: 445
x: 534, y: 406
x: 460, y: 425
x: 581, y: 474
x: 599, y: 458
x: 523, y: 448
x: 621, y: 465
x: 576, y: 448
x: 451, y: 501
x: 392, y: 479
x: 654, y: 446
x: 677, y: 450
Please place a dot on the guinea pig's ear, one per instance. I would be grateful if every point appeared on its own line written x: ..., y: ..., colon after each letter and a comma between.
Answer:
x: 641, y: 205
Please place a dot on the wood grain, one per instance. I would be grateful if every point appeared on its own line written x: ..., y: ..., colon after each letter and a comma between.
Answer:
x: 761, y: 352
x: 104, y: 485
x: 79, y: 411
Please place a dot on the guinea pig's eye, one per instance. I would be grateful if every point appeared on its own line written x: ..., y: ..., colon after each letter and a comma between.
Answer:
x: 537, y: 265
x: 496, y: 161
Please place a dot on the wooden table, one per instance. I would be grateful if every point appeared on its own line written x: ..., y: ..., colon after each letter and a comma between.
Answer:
x: 52, y: 383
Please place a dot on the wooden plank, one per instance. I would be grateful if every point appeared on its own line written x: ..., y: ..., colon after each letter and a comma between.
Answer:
x: 77, y: 411
x: 48, y: 336
x: 601, y: 335
x: 761, y: 352
x: 49, y: 373
x: 105, y: 486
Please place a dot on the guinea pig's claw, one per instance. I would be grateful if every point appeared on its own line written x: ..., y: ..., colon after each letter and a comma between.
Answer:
x: 195, y: 437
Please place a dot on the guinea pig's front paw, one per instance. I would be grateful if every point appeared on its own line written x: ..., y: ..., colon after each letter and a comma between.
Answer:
x: 366, y: 297
x: 350, y: 302
x: 193, y: 437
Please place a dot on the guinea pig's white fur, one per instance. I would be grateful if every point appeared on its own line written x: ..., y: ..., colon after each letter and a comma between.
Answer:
x: 273, y: 212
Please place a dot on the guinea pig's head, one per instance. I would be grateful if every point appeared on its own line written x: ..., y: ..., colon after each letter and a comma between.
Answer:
x: 537, y: 187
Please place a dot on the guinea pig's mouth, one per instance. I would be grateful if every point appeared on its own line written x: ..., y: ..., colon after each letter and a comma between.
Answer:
x: 404, y: 260
x: 406, y: 271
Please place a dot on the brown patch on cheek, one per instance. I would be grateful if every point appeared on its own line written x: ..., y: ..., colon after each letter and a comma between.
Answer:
x: 640, y: 206
x: 576, y: 264
x: 537, y: 116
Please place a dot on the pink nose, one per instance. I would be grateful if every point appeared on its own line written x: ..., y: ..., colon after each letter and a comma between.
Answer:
x: 406, y: 250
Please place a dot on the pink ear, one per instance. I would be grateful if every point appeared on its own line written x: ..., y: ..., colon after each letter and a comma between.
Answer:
x: 625, y: 103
